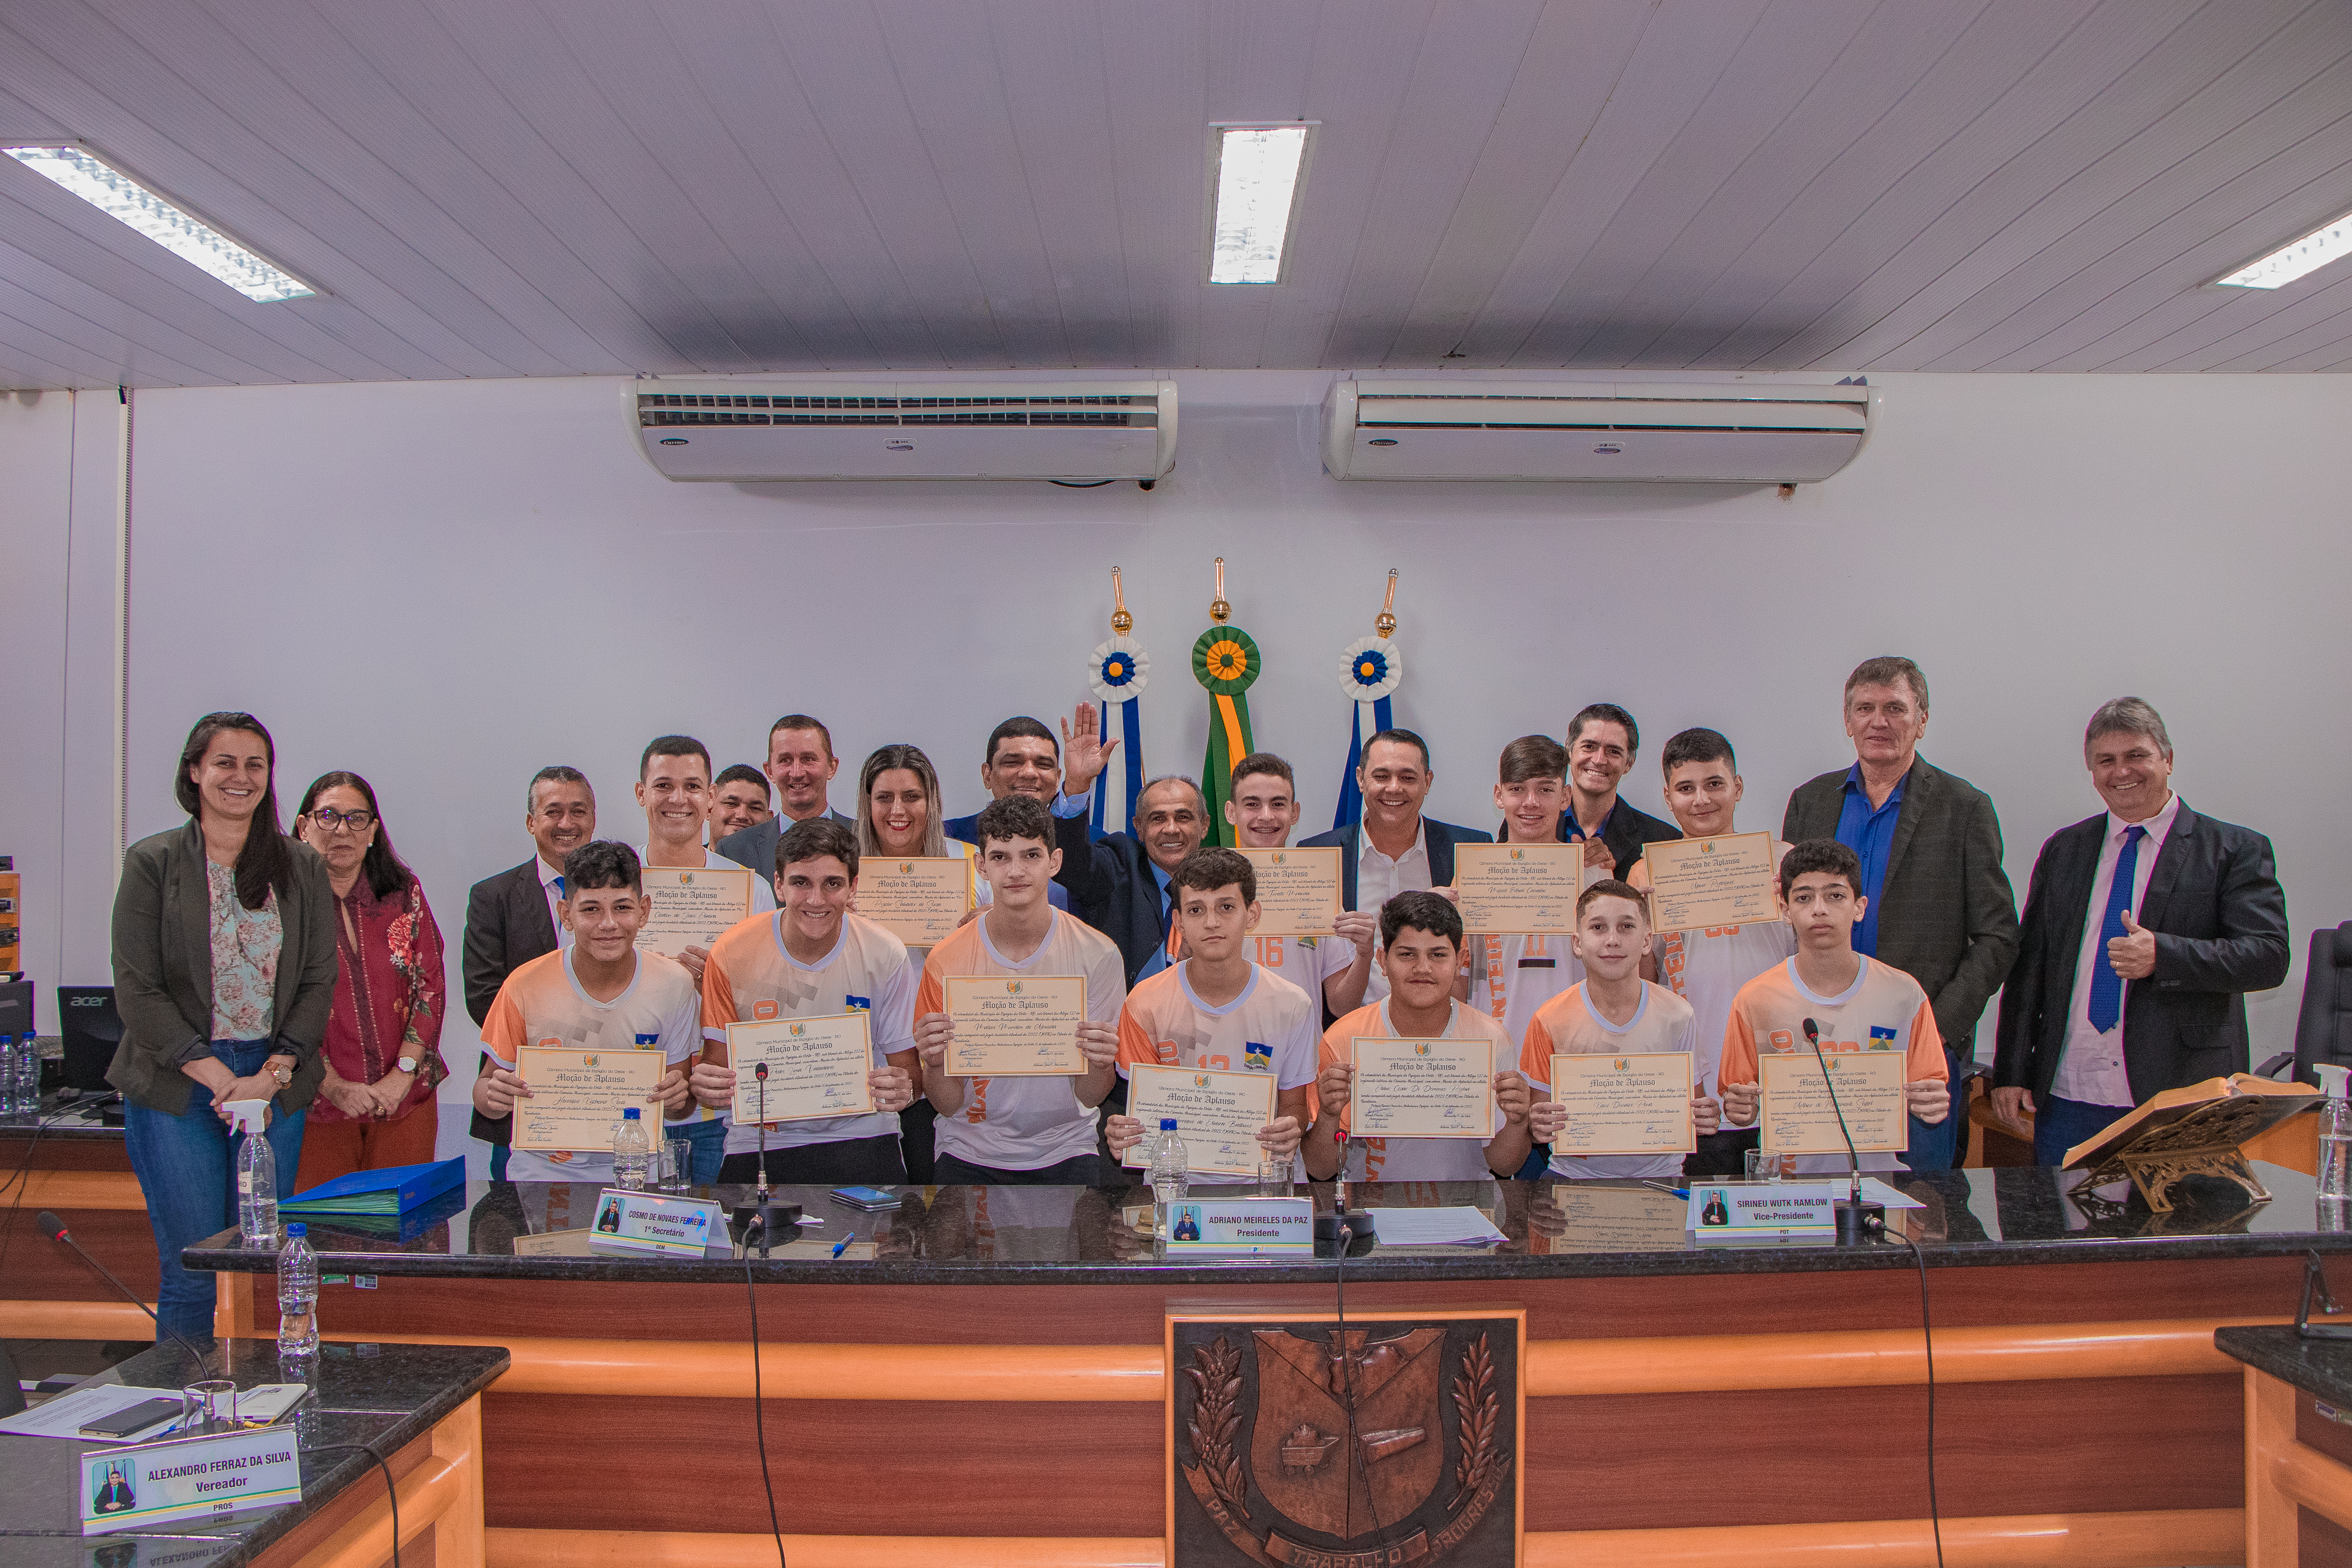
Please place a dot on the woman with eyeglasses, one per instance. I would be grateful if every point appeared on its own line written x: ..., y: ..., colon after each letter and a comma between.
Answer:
x: 224, y: 974
x: 375, y: 1108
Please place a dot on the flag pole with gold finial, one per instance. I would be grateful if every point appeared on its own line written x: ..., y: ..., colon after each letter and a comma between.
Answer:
x: 1116, y: 673
x: 1375, y: 667
x: 1225, y: 662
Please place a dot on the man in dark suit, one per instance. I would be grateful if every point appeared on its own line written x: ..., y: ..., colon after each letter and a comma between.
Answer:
x: 510, y: 917
x: 1939, y: 906
x: 2107, y: 1007
x: 800, y: 765
x: 1393, y: 849
x: 1119, y: 883
x: 1603, y: 742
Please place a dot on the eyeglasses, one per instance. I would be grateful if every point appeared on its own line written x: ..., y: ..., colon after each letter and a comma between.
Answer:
x: 330, y: 820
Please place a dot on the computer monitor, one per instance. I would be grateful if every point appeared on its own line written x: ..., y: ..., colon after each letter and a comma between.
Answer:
x: 91, y: 1029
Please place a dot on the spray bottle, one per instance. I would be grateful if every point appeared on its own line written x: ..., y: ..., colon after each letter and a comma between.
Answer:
x: 2335, y: 1131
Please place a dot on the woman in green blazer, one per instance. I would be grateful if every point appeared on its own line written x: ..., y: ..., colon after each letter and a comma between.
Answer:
x: 223, y: 974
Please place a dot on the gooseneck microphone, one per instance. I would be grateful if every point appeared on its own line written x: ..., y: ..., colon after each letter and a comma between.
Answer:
x: 54, y: 1229
x: 763, y: 1215
x: 1857, y: 1221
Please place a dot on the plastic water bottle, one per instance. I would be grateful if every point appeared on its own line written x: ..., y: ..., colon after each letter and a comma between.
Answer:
x: 631, y: 1153
x: 298, y: 1294
x: 2335, y: 1133
x: 23, y: 1075
x: 257, y: 1192
x: 1170, y: 1174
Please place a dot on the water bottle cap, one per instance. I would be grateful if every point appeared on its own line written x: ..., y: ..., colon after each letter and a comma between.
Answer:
x: 1168, y: 1125
x: 298, y: 1229
x: 630, y: 1114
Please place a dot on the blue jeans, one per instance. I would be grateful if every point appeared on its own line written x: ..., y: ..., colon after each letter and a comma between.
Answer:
x: 187, y: 1167
x: 2060, y: 1124
x: 1933, y: 1148
x: 710, y: 1141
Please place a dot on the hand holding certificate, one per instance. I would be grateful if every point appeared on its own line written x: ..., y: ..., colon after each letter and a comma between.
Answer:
x: 1218, y: 1115
x: 1298, y: 890
x: 691, y: 907
x: 576, y: 1096
x: 1012, y: 1029
x: 920, y: 901
x: 1421, y: 1088
x: 1521, y: 889
x: 1799, y: 1119
x: 1624, y: 1105
x: 1695, y: 883
x: 816, y: 1067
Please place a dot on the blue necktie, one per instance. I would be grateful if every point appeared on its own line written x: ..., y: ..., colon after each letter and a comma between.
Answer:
x: 2106, y: 985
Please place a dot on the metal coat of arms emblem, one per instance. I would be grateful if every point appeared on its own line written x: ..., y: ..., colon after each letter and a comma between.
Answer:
x: 1299, y: 1442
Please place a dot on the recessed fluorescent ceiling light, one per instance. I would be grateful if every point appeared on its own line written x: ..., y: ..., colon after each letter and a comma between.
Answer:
x: 1257, y: 176
x: 117, y: 195
x: 2328, y: 243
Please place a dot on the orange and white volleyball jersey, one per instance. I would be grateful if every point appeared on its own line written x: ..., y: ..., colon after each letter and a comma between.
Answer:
x: 1023, y: 1123
x: 541, y: 1004
x: 749, y: 978
x: 1272, y: 1027
x: 1571, y: 1025
x: 1706, y: 968
x: 1306, y: 961
x: 1414, y: 1159
x: 1511, y: 976
x: 1883, y: 1010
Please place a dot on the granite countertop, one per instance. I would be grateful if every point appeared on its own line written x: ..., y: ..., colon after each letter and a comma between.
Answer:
x: 1037, y: 1235
x: 386, y: 1396
x: 75, y: 1119
x: 2323, y: 1367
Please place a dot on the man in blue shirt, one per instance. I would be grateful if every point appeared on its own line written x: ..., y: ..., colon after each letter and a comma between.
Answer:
x: 1940, y: 908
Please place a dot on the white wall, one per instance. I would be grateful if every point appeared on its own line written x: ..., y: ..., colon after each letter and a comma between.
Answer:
x: 445, y: 586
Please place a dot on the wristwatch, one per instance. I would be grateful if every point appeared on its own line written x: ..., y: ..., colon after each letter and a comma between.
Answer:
x: 281, y: 1072
x: 407, y: 1064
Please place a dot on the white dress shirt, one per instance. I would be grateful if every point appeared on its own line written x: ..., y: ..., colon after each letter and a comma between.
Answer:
x: 2091, y: 1068
x: 1379, y: 879
x: 547, y: 876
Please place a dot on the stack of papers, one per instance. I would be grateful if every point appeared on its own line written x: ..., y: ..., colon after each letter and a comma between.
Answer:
x: 1463, y: 1227
x: 388, y: 1192
x: 67, y: 1413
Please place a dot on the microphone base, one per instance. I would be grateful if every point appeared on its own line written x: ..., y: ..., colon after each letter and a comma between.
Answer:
x: 775, y: 1222
x: 1327, y: 1223
x: 1858, y: 1224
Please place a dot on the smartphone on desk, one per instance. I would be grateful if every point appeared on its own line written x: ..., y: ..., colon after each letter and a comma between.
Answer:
x: 871, y: 1199
x: 131, y: 1422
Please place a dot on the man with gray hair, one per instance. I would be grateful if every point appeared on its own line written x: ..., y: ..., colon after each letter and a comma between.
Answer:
x: 1939, y: 905
x: 2144, y: 927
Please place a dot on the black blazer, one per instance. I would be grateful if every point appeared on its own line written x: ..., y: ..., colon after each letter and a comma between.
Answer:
x: 507, y: 926
x: 1437, y: 838
x: 1945, y: 917
x: 1625, y: 830
x: 755, y: 846
x: 2220, y: 918
x: 1111, y: 888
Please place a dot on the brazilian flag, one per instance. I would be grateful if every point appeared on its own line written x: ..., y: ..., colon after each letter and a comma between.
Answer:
x: 1225, y: 662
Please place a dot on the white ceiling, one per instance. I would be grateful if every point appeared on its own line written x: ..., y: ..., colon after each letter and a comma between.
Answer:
x: 504, y: 187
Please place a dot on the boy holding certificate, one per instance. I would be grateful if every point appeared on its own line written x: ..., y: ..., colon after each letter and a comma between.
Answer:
x: 813, y: 959
x: 1707, y: 967
x: 1264, y: 809
x: 1613, y: 1014
x: 1026, y: 1125
x: 599, y: 993
x: 1512, y: 975
x: 1855, y: 1003
x: 1217, y: 1011
x: 1420, y: 956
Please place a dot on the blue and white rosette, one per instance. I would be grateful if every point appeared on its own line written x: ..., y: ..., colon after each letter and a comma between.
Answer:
x: 1117, y: 673
x: 1375, y: 669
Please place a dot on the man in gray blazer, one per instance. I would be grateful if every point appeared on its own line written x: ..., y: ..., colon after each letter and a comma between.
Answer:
x: 1940, y: 908
x: 800, y: 765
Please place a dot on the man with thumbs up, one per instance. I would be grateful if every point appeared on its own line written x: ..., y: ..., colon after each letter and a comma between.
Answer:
x: 2144, y: 928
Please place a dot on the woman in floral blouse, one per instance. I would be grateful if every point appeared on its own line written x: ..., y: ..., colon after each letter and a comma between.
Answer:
x: 375, y: 1107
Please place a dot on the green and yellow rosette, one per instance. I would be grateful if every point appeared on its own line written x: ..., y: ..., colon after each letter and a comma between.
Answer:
x: 1227, y: 662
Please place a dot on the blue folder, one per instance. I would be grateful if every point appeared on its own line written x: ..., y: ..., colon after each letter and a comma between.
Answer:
x: 394, y: 1190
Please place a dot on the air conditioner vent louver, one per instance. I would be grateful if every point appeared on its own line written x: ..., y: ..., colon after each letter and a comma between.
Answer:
x: 804, y: 429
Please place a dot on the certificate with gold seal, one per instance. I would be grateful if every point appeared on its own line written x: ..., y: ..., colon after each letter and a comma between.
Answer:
x: 1515, y: 890
x: 919, y: 900
x: 816, y: 1067
x: 1012, y: 1027
x: 1298, y: 890
x: 1217, y: 1115
x: 1697, y: 883
x: 1421, y: 1088
x: 1638, y: 1104
x: 692, y: 906
x: 1798, y: 1117
x: 577, y: 1096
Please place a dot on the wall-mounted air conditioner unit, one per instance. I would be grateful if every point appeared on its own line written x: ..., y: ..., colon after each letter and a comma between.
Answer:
x: 749, y: 429
x: 1732, y: 433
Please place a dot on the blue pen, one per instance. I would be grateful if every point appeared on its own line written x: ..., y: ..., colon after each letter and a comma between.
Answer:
x: 841, y: 1246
